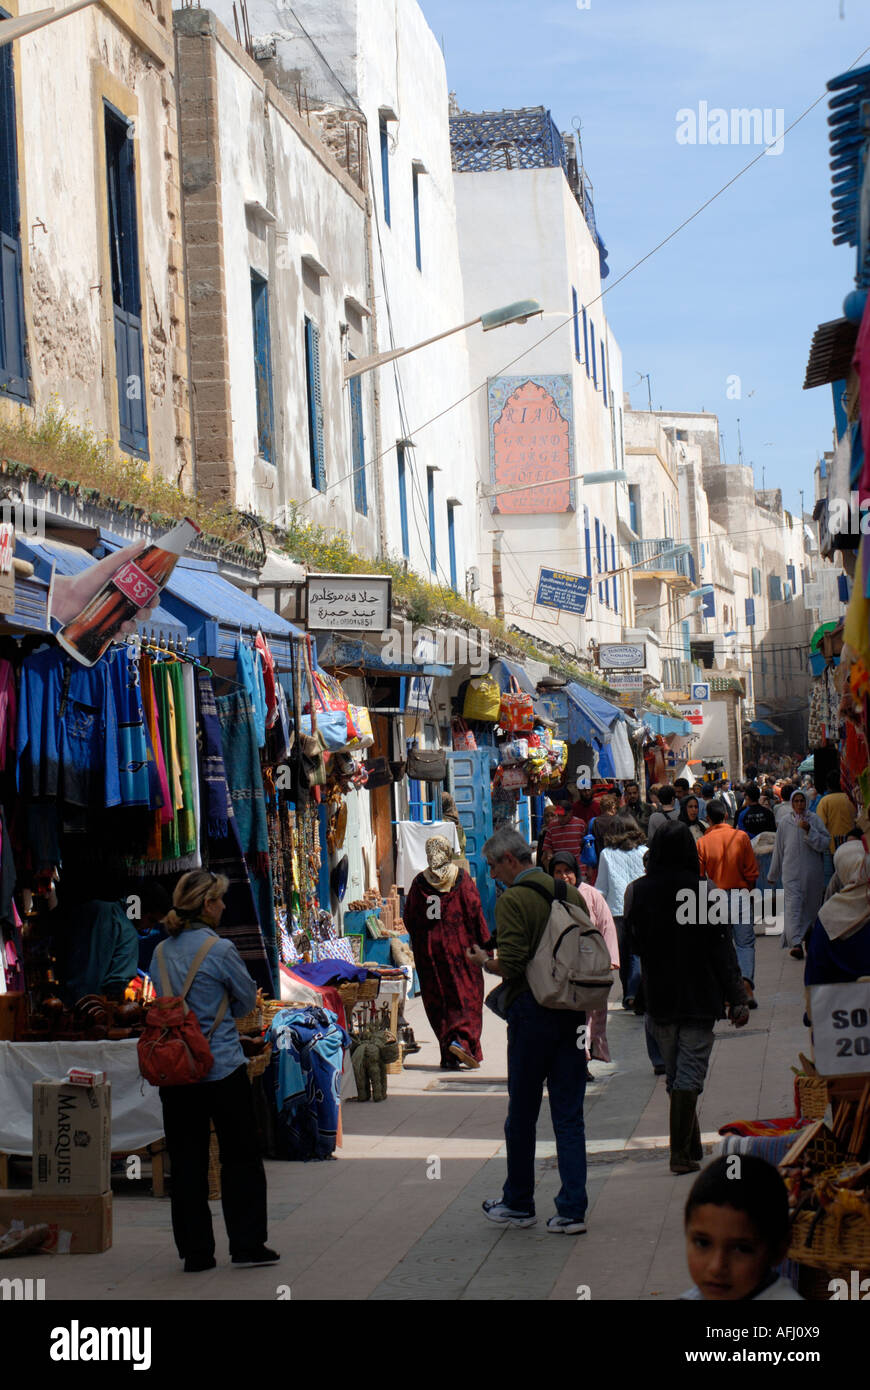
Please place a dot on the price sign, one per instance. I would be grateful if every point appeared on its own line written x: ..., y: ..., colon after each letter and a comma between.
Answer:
x: 841, y: 1028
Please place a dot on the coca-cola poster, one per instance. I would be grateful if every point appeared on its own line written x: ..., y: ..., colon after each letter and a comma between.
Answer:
x: 106, y: 601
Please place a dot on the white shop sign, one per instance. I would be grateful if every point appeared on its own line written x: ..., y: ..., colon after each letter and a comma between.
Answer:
x: 625, y: 680
x: 841, y: 1028
x: 349, y: 602
x: 616, y: 656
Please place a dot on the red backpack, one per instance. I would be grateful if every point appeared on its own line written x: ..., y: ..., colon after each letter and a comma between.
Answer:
x: 173, y: 1050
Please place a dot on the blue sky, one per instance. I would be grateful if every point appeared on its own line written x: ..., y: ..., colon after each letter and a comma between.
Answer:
x: 741, y: 290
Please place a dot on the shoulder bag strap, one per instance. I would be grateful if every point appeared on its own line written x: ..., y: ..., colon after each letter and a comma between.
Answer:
x: 191, y: 975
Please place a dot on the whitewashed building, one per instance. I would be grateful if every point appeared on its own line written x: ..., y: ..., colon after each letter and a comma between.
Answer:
x: 370, y: 76
x: 92, y: 291
x: 527, y: 231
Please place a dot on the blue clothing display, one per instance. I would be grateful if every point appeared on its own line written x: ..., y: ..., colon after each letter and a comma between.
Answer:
x: 67, y: 736
x: 306, y: 1070
x: 103, y: 950
x: 327, y: 972
x: 251, y: 677
x: 135, y: 768
x: 223, y: 970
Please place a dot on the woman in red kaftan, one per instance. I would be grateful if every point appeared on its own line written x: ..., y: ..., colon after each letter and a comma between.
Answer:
x: 444, y: 916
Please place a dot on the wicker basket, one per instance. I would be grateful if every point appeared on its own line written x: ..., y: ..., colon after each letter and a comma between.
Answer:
x: 812, y: 1094
x: 349, y: 992
x: 849, y: 1250
x: 257, y: 1065
x: 369, y: 989
x: 252, y: 1022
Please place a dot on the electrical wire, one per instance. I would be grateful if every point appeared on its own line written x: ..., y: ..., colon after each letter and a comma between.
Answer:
x: 570, y: 318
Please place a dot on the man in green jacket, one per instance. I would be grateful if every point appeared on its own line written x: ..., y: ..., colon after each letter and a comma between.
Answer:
x: 544, y: 1045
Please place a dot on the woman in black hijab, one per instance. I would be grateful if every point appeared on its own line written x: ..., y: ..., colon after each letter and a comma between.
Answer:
x: 689, y: 977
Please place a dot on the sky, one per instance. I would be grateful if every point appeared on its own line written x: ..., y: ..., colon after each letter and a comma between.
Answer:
x: 731, y: 304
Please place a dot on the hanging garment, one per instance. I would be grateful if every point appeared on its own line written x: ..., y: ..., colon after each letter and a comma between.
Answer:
x: 133, y: 774
x: 623, y: 757
x: 251, y: 677
x: 214, y: 792
x: 411, y: 837
x: 8, y: 706
x: 103, y: 950
x: 189, y: 700
x: 309, y: 1052
x: 269, y: 682
x: 67, y: 735
x: 861, y: 363
x: 242, y: 763
x: 163, y: 813
x: 179, y: 839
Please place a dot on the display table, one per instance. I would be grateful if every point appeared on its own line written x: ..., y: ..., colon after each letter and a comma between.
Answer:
x: 137, y: 1115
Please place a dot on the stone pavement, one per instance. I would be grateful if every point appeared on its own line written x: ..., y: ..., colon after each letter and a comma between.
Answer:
x: 397, y: 1214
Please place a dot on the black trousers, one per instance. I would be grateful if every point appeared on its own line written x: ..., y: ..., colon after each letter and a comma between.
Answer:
x: 187, y: 1111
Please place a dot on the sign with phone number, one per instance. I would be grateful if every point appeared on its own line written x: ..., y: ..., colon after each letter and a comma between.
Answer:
x: 841, y: 1028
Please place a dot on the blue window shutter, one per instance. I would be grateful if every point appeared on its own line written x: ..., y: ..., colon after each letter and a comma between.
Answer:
x: 588, y: 541
x: 756, y: 581
x: 604, y: 548
x: 13, y: 356
x: 315, y: 406
x: 594, y: 355
x: 774, y: 585
x: 586, y: 342
x: 126, y: 295
x: 262, y: 366
x: 687, y: 641
x: 357, y: 446
x: 750, y: 612
x: 416, y: 193
x: 633, y: 495
x: 598, y: 556
x: 385, y: 169
x: 403, y: 501
x: 691, y: 562
x: 615, y: 577
x: 603, y: 372
x: 451, y: 542
x: 708, y: 609
x: 430, y: 497
x: 575, y: 311
x: 792, y: 577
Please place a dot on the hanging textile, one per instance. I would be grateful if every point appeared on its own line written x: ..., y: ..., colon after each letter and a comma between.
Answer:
x: 8, y: 705
x: 269, y: 682
x: 179, y: 840
x: 242, y: 763
x: 309, y: 1052
x: 162, y: 812
x: 189, y: 702
x: 133, y: 776
x: 67, y: 734
x: 251, y: 677
x: 216, y: 804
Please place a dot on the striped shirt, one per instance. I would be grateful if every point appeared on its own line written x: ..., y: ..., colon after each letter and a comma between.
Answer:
x: 565, y: 834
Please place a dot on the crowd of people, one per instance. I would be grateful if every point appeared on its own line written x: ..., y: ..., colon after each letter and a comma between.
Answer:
x: 640, y: 872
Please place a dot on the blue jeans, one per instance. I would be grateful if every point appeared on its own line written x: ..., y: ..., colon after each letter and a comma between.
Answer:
x: 763, y: 862
x: 629, y: 965
x: 542, y: 1046
x: 653, y: 1051
x: 744, y: 945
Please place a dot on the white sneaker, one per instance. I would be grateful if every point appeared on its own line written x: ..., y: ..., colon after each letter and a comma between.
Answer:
x: 496, y: 1210
x: 566, y: 1226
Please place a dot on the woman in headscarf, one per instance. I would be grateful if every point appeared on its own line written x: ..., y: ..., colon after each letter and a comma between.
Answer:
x: 689, y: 976
x: 799, y: 864
x: 565, y: 867
x: 444, y: 916
x: 838, y: 947
x: 689, y: 816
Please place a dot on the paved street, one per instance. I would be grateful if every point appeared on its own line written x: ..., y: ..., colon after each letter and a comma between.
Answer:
x: 374, y: 1224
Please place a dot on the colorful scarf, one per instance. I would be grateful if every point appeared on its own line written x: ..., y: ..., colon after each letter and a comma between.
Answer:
x: 216, y: 803
x: 242, y: 763
x: 156, y: 762
x: 240, y: 922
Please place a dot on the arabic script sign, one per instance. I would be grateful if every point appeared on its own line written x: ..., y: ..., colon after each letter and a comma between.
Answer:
x: 349, y: 602
x: 531, y: 429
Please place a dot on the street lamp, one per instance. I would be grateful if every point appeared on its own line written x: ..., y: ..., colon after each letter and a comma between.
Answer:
x: 12, y: 29
x: 520, y: 312
x: 607, y: 475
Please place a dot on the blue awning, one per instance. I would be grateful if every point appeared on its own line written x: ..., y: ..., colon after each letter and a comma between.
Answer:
x: 503, y: 670
x: 71, y: 559
x: 763, y: 729
x: 590, y: 718
x: 664, y: 725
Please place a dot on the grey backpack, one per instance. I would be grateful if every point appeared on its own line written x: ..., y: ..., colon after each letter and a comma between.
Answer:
x: 571, y: 968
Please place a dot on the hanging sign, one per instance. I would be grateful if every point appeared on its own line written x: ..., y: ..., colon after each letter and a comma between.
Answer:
x: 620, y: 656
x: 567, y: 592
x: 701, y: 691
x: 626, y: 681
x: 693, y: 713
x: 841, y: 1028
x: 349, y: 602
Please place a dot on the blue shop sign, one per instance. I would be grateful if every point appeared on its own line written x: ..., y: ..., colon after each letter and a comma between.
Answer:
x: 567, y: 592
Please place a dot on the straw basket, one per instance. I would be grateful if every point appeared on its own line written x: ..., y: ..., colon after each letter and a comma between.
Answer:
x: 252, y: 1022
x: 349, y: 992
x: 257, y: 1065
x: 849, y: 1249
x: 812, y: 1093
x: 368, y: 990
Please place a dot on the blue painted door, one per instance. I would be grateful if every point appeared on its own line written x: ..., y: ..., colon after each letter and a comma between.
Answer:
x: 468, y: 775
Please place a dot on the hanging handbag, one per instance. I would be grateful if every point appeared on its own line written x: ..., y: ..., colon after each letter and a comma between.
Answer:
x: 379, y: 775
x: 513, y: 778
x: 398, y: 768
x: 482, y: 700
x: 463, y: 738
x: 589, y: 854
x: 363, y: 721
x: 516, y: 712
x: 427, y: 764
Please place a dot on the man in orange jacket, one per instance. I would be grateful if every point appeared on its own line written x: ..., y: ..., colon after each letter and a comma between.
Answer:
x: 726, y: 858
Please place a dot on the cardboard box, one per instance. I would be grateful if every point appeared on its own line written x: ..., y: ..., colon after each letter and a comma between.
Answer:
x: 78, y: 1225
x: 72, y: 1138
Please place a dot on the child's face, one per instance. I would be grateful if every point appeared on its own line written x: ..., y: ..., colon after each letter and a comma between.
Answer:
x: 727, y: 1257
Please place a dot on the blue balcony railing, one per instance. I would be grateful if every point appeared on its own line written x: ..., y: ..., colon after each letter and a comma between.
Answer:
x: 648, y: 555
